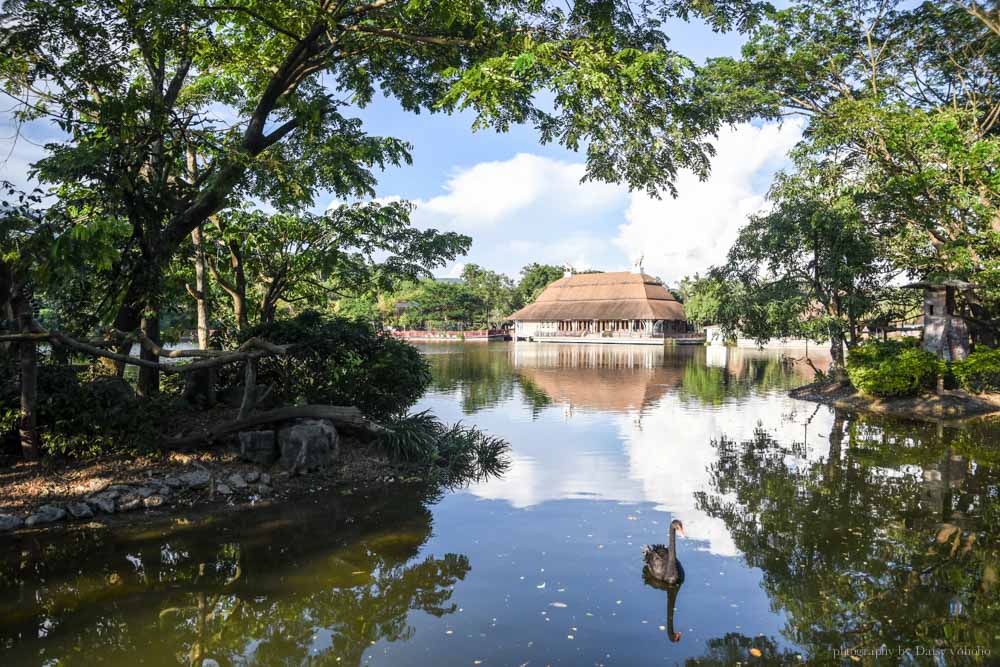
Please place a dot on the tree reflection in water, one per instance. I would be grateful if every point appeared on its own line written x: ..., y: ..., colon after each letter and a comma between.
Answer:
x: 890, y: 539
x: 282, y: 586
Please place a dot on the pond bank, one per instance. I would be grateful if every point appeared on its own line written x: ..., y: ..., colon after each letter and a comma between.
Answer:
x: 947, y: 405
x: 110, y: 491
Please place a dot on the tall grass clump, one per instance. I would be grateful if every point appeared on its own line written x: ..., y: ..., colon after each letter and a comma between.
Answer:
x: 455, y: 454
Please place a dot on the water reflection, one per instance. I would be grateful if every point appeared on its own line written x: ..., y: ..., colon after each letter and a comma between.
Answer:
x: 810, y: 532
x: 320, y: 585
x: 888, y: 540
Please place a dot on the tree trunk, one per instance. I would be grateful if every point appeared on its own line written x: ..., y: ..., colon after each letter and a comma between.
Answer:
x: 149, y: 378
x: 202, y: 384
x: 200, y: 287
x: 837, y: 366
x: 28, y: 360
x: 249, y: 401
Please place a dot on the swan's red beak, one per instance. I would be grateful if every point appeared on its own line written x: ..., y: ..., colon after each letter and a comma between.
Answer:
x: 676, y: 637
x: 680, y: 530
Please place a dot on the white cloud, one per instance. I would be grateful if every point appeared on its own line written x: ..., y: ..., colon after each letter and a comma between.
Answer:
x: 490, y: 193
x: 681, y: 236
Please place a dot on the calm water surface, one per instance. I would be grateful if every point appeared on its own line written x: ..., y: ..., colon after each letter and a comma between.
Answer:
x: 809, y: 532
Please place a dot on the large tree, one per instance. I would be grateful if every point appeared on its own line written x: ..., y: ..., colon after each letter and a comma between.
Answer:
x: 174, y: 110
x: 813, y: 265
x: 906, y: 96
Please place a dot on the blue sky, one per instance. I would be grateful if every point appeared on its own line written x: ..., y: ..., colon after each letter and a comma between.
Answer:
x: 522, y: 202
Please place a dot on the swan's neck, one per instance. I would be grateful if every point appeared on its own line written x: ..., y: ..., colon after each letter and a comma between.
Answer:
x: 671, y: 601
x: 673, y: 544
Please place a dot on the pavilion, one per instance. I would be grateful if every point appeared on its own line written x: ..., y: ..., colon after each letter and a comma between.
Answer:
x: 622, y: 306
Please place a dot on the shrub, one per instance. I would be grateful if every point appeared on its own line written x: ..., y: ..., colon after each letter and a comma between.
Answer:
x: 336, y: 361
x: 84, y: 414
x: 979, y: 372
x: 455, y: 454
x: 893, y: 368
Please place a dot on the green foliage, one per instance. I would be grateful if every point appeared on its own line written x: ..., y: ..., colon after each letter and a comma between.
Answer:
x: 703, y: 299
x: 81, y: 413
x: 892, y: 94
x: 441, y: 305
x: 454, y: 453
x: 892, y: 369
x: 303, y: 258
x: 338, y: 362
x: 495, y: 290
x: 171, y: 112
x: 536, y: 277
x: 979, y: 372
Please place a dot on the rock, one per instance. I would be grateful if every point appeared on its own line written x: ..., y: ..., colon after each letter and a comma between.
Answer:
x: 101, y: 503
x: 265, y: 478
x: 258, y: 447
x: 224, y: 490
x: 164, y: 491
x: 120, y: 488
x: 196, y: 479
x: 145, y: 491
x: 308, y: 444
x: 263, y: 490
x: 45, y: 514
x: 10, y: 522
x: 110, y: 494
x: 236, y: 481
x: 153, y: 501
x: 251, y: 476
x: 93, y: 486
x: 173, y: 482
x: 80, y: 510
x: 129, y: 502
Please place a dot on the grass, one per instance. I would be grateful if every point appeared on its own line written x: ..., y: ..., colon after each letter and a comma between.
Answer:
x: 455, y: 454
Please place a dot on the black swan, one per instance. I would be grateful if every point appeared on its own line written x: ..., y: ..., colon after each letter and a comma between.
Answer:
x: 661, y: 562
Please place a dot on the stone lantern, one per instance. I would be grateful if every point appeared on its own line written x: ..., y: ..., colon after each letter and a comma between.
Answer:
x: 945, y: 333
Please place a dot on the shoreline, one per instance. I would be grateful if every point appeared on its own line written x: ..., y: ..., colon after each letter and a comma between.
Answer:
x: 950, y: 405
x: 104, y: 493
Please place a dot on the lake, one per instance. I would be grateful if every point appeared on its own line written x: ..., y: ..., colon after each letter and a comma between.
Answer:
x: 811, y: 536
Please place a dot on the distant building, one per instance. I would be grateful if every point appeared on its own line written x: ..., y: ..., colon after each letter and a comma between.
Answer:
x: 624, y: 306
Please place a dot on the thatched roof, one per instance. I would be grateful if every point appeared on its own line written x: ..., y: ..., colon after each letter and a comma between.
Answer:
x: 603, y: 296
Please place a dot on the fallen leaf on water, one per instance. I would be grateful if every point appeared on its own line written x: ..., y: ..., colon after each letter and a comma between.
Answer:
x: 755, y: 652
x: 560, y: 605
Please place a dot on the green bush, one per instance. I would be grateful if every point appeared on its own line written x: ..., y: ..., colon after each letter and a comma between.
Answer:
x: 84, y: 414
x: 336, y: 361
x: 979, y: 372
x: 892, y: 369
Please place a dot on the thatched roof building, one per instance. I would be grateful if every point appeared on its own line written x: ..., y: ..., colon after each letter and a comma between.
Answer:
x: 621, y: 303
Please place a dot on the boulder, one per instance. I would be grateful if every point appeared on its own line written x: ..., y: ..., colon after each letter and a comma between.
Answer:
x: 236, y: 481
x: 129, y: 502
x: 80, y: 510
x: 251, y: 476
x: 308, y: 444
x: 10, y: 522
x: 224, y: 490
x: 173, y: 482
x: 101, y: 503
x: 153, y: 501
x: 265, y: 479
x: 45, y: 514
x: 145, y: 491
x: 258, y: 447
x: 196, y: 479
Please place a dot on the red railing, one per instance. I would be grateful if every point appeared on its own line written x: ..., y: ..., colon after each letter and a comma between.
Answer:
x: 450, y: 335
